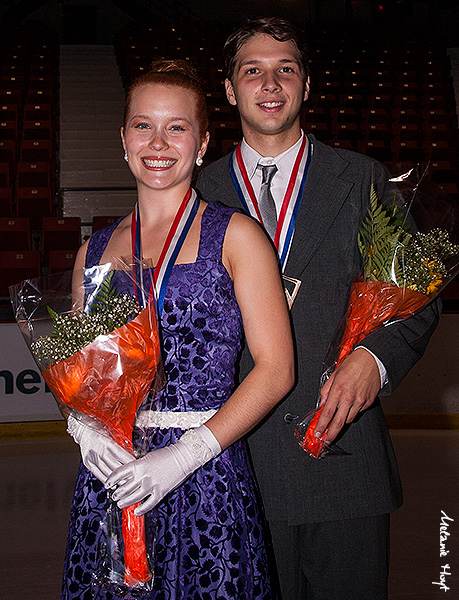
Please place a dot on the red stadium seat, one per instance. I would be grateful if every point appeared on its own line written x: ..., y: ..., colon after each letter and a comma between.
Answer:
x: 11, y: 96
x: 4, y: 175
x: 37, y: 112
x: 40, y: 96
x: 6, y: 202
x: 8, y: 130
x: 14, y: 233
x: 15, y: 266
x: 60, y: 233
x: 37, y: 130
x: 8, y: 153
x: 8, y: 111
x: 32, y: 174
x: 34, y: 203
x: 378, y: 132
x: 61, y: 260
x: 36, y: 151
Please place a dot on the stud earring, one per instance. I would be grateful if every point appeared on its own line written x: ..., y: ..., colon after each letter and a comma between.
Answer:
x: 199, y: 161
x: 126, y: 157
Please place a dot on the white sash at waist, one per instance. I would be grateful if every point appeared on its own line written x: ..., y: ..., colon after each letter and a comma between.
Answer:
x: 167, y: 419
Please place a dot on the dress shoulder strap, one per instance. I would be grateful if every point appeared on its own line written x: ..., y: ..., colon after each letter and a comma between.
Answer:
x: 214, y: 223
x: 98, y: 242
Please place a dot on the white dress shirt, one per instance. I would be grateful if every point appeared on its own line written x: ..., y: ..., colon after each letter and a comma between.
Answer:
x: 283, y: 162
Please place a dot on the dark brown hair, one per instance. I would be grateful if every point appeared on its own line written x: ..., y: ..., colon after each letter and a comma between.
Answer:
x: 279, y: 29
x: 177, y: 73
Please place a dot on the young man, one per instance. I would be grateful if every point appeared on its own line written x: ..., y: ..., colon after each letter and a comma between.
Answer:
x: 329, y: 518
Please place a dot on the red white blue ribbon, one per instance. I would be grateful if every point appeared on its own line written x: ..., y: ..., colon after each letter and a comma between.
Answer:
x: 174, y: 241
x: 293, y: 195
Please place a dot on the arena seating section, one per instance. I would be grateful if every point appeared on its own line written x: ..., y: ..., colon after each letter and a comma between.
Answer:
x: 391, y: 98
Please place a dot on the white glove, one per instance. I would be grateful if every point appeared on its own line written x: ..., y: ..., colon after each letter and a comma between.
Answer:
x: 162, y: 471
x: 99, y: 452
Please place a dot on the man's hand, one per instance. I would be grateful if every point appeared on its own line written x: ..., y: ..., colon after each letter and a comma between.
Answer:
x: 350, y: 389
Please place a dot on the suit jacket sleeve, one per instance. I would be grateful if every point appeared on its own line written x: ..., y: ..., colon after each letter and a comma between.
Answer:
x: 401, y: 344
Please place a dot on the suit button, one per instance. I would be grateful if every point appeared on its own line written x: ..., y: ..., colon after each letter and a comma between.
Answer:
x: 289, y: 418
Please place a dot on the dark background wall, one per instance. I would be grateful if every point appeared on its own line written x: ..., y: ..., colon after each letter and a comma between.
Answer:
x: 97, y: 21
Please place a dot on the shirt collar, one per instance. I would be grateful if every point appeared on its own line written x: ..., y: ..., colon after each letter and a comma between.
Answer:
x: 251, y: 157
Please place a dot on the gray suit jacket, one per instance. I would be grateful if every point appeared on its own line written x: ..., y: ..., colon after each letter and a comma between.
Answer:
x: 325, y: 256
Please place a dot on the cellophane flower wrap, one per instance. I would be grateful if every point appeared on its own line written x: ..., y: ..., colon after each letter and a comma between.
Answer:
x: 98, y: 350
x: 409, y: 247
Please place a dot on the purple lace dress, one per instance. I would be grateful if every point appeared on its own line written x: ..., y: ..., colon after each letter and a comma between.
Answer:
x: 209, y: 533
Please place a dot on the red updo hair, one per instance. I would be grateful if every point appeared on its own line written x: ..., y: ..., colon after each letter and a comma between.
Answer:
x: 177, y: 73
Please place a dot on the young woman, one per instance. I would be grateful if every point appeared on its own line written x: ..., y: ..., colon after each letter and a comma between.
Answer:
x: 196, y: 483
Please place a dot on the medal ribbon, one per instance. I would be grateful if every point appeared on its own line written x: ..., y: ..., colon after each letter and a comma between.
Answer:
x: 174, y: 241
x: 294, y: 193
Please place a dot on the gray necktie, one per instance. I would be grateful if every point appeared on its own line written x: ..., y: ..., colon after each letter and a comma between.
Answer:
x: 266, y: 201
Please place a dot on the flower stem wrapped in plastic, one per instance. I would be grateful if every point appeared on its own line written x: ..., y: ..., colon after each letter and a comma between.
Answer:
x: 409, y: 247
x: 98, y: 351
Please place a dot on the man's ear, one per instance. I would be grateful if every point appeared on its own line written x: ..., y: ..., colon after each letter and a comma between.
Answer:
x: 306, y: 89
x: 230, y: 92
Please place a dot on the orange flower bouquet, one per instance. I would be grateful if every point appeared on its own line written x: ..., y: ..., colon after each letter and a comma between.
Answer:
x: 408, y: 243
x: 99, y: 360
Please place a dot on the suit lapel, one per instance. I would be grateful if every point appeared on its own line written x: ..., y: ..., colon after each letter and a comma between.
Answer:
x: 324, y: 194
x: 223, y: 184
